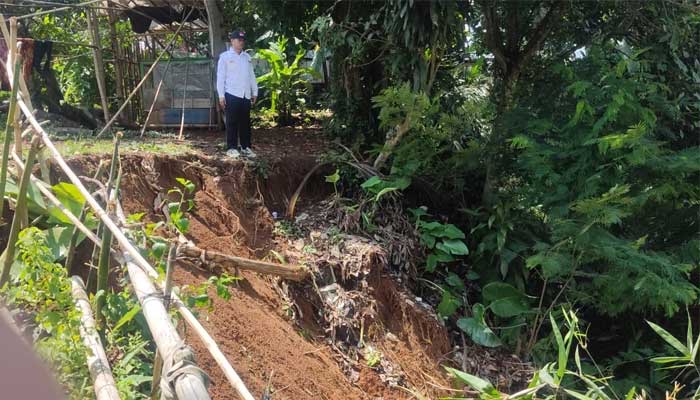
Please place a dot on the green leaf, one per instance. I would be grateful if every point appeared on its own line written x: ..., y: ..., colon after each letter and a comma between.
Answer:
x: 385, y: 191
x: 428, y: 240
x: 454, y: 280
x: 452, y: 232
x: 431, y: 263
x: 563, y: 354
x: 476, y: 383
x: 455, y: 247
x: 500, y: 290
x: 126, y: 318
x: 509, y: 307
x: 449, y: 304
x: 670, y: 339
x: 371, y: 182
x: 479, y: 332
x: 333, y: 178
x: 58, y: 240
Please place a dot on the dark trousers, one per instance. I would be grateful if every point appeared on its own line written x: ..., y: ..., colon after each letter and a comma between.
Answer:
x: 237, y: 122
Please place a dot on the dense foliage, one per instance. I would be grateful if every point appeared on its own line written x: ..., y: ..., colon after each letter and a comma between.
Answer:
x: 548, y: 151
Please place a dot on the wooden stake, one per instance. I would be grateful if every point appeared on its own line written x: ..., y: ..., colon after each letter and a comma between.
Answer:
x: 93, y: 27
x: 103, y: 381
x: 8, y: 138
x: 8, y: 257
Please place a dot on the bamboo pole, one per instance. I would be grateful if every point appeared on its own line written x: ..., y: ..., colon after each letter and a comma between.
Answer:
x: 22, y: 85
x: 7, y: 140
x: 167, y: 291
x: 184, y: 99
x: 187, y: 386
x: 12, y: 59
x: 74, y: 236
x: 145, y: 76
x: 291, y: 272
x: 93, y: 28
x: 50, y: 196
x: 9, y: 254
x: 208, y: 341
x: 118, y: 67
x: 135, y: 260
x: 103, y: 381
x: 103, y: 270
x: 101, y: 229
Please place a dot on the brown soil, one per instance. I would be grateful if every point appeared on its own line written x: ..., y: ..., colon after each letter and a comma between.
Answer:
x: 295, y: 357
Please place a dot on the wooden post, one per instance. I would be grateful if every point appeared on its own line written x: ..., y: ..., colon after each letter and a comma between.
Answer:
x: 98, y: 365
x: 99, y: 63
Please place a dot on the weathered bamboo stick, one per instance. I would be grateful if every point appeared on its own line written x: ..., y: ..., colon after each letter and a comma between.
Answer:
x: 292, y: 272
x: 155, y: 97
x: 50, y: 196
x: 9, y: 254
x: 99, y: 211
x: 103, y: 381
x: 135, y: 259
x: 187, y: 386
x: 8, y: 139
x: 209, y: 342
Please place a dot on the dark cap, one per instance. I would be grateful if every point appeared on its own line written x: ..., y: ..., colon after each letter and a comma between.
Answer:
x: 237, y: 35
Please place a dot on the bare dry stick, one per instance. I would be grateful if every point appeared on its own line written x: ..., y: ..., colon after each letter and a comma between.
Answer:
x: 155, y: 97
x: 291, y: 272
x: 98, y: 364
x: 8, y: 257
x: 145, y: 76
x: 184, y: 98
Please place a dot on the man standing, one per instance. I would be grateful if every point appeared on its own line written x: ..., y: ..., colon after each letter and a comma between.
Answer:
x: 238, y: 90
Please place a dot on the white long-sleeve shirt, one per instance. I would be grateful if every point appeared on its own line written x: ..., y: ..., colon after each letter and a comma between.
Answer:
x: 235, y: 75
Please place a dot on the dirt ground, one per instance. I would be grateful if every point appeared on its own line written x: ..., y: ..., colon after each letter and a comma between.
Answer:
x: 286, y: 338
x: 273, y: 349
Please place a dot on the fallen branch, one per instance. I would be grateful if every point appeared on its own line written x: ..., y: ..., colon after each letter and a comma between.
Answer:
x: 104, y: 385
x: 291, y: 272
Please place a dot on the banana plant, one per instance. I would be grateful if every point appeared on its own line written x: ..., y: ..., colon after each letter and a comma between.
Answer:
x: 286, y: 82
